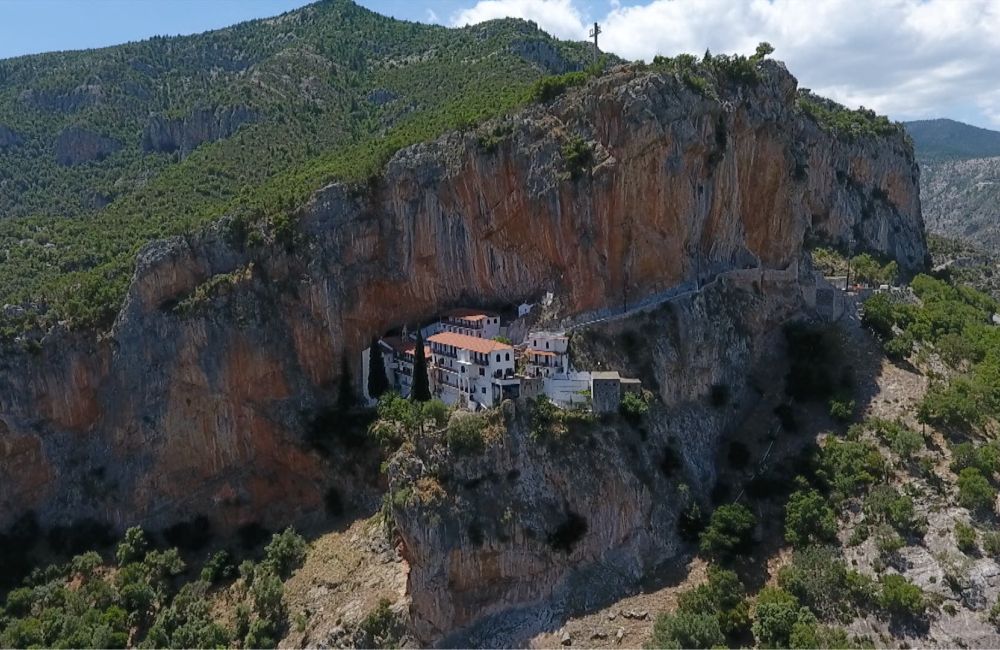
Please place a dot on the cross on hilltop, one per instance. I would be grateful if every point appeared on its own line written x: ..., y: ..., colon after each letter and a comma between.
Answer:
x: 595, y: 32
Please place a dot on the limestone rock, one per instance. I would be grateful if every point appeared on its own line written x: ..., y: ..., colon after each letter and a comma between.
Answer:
x: 76, y: 145
x: 200, y: 126
x: 70, y: 101
x: 212, y: 406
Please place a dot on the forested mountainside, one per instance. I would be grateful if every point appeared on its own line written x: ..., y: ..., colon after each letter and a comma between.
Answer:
x: 102, y: 151
x: 799, y: 467
x: 960, y: 180
x: 944, y: 139
x: 220, y: 402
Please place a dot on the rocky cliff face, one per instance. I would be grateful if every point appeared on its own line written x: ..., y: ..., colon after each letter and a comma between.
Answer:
x: 75, y: 146
x: 201, y: 126
x: 502, y: 542
x: 199, y: 398
x: 962, y: 199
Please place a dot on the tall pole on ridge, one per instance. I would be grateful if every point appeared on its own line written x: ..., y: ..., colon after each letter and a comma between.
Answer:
x: 595, y: 32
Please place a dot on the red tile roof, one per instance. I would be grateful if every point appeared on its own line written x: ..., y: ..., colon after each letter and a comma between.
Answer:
x: 474, y: 343
x: 402, y: 345
x: 468, y: 314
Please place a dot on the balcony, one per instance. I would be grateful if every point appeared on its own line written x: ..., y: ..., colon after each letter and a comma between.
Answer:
x: 444, y: 351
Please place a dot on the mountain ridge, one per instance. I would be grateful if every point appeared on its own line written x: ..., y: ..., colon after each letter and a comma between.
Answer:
x: 960, y: 184
x: 944, y: 138
x: 250, y: 119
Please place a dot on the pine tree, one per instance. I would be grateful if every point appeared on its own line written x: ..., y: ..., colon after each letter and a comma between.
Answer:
x: 378, y: 383
x: 421, y: 391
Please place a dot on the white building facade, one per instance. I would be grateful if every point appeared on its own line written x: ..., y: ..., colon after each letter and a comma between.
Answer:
x: 471, y: 322
x: 546, y: 355
x: 471, y: 371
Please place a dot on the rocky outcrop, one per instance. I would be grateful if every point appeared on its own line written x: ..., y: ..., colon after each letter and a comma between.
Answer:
x: 186, y: 134
x: 200, y: 397
x: 76, y: 146
x: 544, y: 54
x: 8, y: 138
x: 537, y: 526
x: 961, y: 199
x: 78, y: 98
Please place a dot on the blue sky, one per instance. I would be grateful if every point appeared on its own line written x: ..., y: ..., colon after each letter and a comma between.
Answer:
x: 910, y: 59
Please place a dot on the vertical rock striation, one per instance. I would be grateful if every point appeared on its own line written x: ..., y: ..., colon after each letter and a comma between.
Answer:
x: 199, y: 398
x: 187, y: 133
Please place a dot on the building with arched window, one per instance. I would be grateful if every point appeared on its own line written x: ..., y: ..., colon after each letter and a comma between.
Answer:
x: 546, y: 354
x: 469, y: 370
x: 471, y: 322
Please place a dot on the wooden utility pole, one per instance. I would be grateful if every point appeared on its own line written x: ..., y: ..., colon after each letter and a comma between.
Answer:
x: 595, y: 32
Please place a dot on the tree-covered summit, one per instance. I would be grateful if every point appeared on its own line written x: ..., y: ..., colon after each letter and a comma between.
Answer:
x: 104, y: 150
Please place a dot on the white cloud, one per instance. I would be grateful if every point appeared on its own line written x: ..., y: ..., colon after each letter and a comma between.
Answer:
x: 908, y: 58
x: 558, y: 17
x: 432, y: 16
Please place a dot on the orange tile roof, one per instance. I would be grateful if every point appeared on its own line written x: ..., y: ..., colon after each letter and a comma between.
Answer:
x: 404, y: 346
x: 468, y: 314
x: 474, y: 343
x: 542, y: 353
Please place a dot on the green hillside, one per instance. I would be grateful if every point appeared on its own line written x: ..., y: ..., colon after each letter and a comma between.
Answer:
x: 959, y: 180
x: 104, y: 150
x: 947, y: 139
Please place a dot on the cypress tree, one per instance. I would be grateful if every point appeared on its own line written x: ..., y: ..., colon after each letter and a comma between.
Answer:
x: 421, y: 391
x: 378, y: 383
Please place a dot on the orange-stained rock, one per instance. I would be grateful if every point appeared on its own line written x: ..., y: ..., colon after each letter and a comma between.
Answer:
x: 202, y: 402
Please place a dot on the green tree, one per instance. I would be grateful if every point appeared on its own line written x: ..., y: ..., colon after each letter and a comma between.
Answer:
x: 633, y: 407
x: 901, y: 598
x: 686, y: 630
x: 975, y: 492
x: 879, y: 315
x: 809, y: 519
x: 764, y: 50
x: 285, y: 552
x: 267, y: 593
x: 378, y: 382
x: 820, y: 580
x: 260, y: 635
x: 965, y: 537
x: 775, y: 615
x: 886, y: 504
x: 722, y: 596
x: 729, y: 531
x: 421, y: 389
x: 133, y: 547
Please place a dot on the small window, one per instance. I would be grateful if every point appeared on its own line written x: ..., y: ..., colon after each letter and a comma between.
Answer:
x: 546, y: 345
x: 498, y: 357
x: 508, y: 356
x: 463, y: 370
x: 482, y: 372
x: 484, y: 390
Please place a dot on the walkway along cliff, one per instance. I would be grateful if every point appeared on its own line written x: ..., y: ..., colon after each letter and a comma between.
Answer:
x: 200, y: 397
